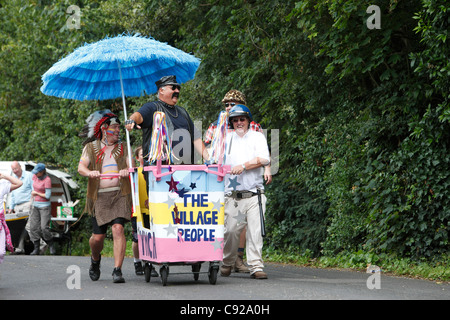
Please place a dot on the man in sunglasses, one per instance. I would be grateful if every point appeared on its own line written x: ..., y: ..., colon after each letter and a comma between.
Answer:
x: 231, y: 99
x: 247, y: 152
x: 176, y: 118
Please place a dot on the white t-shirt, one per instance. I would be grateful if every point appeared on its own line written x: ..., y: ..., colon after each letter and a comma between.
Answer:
x: 242, y: 149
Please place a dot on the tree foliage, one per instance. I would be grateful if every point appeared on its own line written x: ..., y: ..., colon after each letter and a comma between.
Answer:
x: 363, y: 113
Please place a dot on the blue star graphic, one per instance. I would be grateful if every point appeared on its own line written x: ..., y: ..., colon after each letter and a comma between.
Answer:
x: 233, y: 183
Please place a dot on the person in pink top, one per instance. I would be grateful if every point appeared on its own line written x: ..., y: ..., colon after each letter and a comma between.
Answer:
x: 41, y: 213
x: 7, y: 184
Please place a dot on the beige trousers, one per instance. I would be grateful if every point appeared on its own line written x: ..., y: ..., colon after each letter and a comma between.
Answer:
x: 238, y: 214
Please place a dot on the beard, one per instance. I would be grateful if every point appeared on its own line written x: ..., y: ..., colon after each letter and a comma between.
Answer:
x: 241, y: 130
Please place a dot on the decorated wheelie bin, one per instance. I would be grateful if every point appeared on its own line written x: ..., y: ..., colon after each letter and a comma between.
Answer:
x: 185, y: 224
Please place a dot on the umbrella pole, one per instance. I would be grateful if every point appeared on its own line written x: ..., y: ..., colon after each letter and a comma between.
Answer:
x: 128, y: 138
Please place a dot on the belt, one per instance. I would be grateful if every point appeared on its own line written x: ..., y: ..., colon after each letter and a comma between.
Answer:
x: 243, y: 194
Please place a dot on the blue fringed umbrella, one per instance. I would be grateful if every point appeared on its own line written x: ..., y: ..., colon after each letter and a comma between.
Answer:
x: 94, y: 71
x: 126, y: 65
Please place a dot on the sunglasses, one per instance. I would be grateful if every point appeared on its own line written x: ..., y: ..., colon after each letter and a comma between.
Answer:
x: 235, y: 120
x: 174, y: 87
x: 227, y: 104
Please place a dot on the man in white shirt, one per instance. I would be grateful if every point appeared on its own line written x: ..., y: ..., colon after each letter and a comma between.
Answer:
x: 247, y: 152
x: 20, y: 201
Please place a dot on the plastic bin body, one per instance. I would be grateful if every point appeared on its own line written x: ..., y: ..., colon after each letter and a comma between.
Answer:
x: 196, y: 232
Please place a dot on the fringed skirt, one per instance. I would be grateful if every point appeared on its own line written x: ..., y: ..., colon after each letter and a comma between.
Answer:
x: 111, y: 205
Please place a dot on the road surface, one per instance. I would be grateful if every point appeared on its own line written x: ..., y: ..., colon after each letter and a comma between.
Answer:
x: 66, y: 278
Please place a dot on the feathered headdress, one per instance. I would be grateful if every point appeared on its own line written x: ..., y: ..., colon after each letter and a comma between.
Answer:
x: 92, y: 129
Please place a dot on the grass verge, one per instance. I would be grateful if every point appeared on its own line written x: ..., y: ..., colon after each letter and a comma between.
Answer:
x: 437, y: 270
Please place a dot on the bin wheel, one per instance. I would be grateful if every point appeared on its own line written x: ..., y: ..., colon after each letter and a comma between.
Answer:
x: 196, y: 269
x: 164, y: 272
x: 212, y: 275
x: 147, y: 271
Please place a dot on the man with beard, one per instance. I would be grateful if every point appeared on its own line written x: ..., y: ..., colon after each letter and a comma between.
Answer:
x: 108, y: 198
x: 247, y: 152
x: 232, y: 98
x: 176, y: 118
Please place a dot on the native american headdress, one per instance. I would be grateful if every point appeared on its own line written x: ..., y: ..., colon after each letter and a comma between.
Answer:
x: 92, y: 129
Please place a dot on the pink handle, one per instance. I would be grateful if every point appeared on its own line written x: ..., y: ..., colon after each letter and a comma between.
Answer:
x: 221, y: 170
x: 109, y: 175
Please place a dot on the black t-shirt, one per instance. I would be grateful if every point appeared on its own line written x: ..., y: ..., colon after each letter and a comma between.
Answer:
x: 179, y: 119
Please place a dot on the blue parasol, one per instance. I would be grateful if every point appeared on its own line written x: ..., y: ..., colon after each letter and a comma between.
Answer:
x: 93, y: 71
x: 125, y: 65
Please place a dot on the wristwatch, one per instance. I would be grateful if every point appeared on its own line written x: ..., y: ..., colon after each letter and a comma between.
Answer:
x: 243, y: 166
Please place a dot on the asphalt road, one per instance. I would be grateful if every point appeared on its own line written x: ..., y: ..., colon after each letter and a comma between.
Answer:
x: 66, y: 278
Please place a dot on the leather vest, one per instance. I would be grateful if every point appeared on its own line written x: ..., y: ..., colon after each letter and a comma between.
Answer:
x: 96, y: 162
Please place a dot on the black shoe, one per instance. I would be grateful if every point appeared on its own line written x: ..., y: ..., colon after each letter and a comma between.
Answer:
x: 154, y: 273
x: 117, y: 275
x: 138, y: 268
x: 94, y: 269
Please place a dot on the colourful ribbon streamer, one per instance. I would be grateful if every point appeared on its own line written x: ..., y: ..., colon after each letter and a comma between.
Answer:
x: 219, y: 139
x: 160, y: 144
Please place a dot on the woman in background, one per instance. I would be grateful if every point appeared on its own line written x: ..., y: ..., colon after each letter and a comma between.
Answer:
x: 41, y: 213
